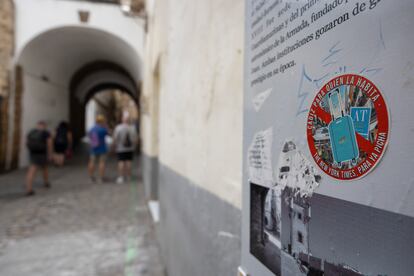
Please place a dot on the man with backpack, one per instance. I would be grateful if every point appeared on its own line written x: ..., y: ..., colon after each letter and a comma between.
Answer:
x: 125, y: 139
x: 98, y: 148
x: 39, y: 143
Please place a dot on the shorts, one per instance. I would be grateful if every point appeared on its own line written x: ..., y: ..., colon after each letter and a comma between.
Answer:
x: 60, y: 148
x: 125, y: 156
x: 101, y: 157
x: 38, y: 159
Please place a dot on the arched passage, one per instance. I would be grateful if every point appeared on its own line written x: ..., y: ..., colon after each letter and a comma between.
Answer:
x: 113, y: 104
x: 91, y: 79
x: 62, y: 68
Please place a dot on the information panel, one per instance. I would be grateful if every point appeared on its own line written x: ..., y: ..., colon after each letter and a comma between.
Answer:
x: 328, y: 184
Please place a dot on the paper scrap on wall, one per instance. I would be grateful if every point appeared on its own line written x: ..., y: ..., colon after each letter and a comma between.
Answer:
x: 259, y: 158
x: 295, y: 171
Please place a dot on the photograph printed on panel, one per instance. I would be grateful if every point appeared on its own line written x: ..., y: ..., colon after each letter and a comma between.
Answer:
x: 265, y: 226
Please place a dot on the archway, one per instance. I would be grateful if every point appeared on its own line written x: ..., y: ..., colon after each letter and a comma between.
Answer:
x: 94, y: 78
x: 113, y: 104
x: 62, y: 68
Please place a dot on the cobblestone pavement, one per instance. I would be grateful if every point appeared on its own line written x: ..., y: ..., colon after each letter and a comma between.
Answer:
x: 76, y: 227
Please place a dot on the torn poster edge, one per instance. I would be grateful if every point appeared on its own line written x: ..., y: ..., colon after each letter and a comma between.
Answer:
x: 296, y: 171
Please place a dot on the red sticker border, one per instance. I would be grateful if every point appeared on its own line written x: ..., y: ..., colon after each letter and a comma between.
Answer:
x: 374, y: 151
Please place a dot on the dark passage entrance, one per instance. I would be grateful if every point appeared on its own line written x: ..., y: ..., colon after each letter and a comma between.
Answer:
x: 92, y: 82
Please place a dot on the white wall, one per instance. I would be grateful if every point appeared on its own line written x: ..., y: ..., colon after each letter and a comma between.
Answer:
x: 41, y: 101
x: 198, y: 48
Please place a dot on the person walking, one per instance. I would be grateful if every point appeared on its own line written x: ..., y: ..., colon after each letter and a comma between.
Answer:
x: 62, y: 142
x: 98, y: 148
x: 39, y: 144
x: 125, y: 140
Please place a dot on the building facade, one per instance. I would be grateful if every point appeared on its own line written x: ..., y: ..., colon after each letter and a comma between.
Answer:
x: 192, y: 131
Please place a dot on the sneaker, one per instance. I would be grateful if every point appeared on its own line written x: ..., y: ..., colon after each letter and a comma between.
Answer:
x: 47, y: 185
x: 119, y: 180
x: 30, y: 193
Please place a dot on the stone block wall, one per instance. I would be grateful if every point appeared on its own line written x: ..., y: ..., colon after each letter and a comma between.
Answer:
x: 6, y: 54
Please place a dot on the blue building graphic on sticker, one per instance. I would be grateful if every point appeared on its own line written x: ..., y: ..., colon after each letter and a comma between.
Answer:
x: 361, y: 116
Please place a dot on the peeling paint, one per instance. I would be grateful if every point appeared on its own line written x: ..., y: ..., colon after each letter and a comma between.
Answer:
x: 227, y: 235
x: 260, y: 99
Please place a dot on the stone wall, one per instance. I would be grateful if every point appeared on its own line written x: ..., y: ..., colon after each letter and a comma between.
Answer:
x: 6, y: 44
x: 6, y: 53
x: 137, y: 5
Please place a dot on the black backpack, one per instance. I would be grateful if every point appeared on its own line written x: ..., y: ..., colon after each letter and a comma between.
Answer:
x: 61, y: 137
x: 127, y: 141
x: 36, y: 141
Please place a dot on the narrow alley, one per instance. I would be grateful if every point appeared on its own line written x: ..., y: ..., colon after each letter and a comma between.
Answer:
x: 76, y: 227
x: 267, y: 137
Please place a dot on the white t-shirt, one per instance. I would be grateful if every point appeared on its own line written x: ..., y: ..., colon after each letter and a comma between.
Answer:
x: 125, y: 137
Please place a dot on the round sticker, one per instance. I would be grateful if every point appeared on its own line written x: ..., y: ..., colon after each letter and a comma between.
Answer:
x: 348, y: 127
